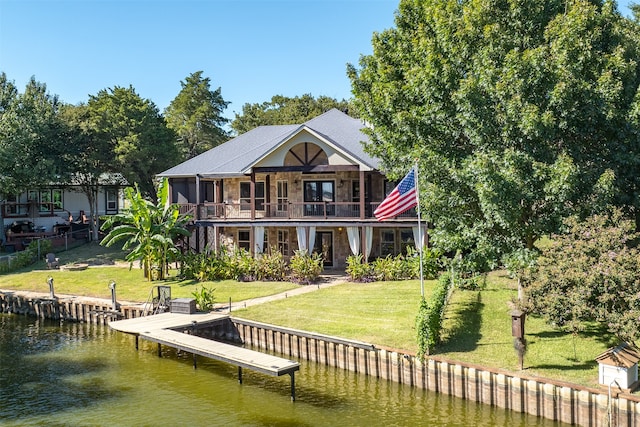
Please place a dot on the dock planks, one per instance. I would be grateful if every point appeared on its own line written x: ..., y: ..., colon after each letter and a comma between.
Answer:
x: 160, y: 328
x: 246, y: 358
x: 139, y: 325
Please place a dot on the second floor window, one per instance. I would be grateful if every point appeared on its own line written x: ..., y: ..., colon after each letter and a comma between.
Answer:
x: 245, y: 196
x: 317, y: 192
x: 282, y: 194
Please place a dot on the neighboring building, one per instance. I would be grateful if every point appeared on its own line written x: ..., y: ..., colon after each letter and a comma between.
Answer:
x: 292, y: 187
x: 55, y: 209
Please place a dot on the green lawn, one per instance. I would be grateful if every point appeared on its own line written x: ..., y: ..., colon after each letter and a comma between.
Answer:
x: 130, y: 283
x: 381, y: 312
x: 477, y: 327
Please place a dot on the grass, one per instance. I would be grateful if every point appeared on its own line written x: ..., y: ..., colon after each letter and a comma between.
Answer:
x: 380, y: 312
x: 106, y: 266
x: 477, y: 327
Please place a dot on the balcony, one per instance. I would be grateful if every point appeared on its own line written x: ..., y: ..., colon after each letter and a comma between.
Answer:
x: 285, y: 211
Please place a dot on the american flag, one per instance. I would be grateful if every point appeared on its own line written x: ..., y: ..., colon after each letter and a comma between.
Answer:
x: 401, y: 199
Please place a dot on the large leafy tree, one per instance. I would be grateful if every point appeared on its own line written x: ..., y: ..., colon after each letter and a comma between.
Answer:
x: 91, y: 159
x: 588, y: 273
x: 195, y: 115
x: 33, y: 149
x: 130, y: 127
x: 149, y: 230
x: 32, y: 139
x: 515, y: 111
x: 282, y: 110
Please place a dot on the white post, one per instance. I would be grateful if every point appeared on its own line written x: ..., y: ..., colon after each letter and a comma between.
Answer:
x: 415, y: 169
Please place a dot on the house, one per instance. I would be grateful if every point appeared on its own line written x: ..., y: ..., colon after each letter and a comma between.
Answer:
x: 310, y: 187
x: 57, y: 209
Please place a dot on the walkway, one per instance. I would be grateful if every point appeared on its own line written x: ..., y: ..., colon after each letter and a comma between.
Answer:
x: 326, y: 281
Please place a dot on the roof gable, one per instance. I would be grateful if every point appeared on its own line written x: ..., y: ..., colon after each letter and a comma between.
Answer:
x: 238, y: 155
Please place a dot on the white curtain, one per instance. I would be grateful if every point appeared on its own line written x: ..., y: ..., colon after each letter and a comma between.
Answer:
x: 312, y: 239
x: 368, y: 235
x: 419, y: 239
x: 353, y: 233
x: 302, y: 238
x: 258, y: 237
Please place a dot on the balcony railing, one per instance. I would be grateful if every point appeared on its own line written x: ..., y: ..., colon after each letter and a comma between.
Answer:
x: 289, y: 210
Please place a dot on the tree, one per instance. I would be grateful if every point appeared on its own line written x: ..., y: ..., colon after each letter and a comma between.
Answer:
x: 32, y: 141
x: 135, y: 132
x: 91, y: 160
x: 515, y: 111
x: 195, y: 115
x: 282, y: 110
x: 32, y: 145
x: 149, y: 230
x: 589, y: 273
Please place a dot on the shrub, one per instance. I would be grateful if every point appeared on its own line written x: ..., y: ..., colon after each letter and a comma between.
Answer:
x: 271, y: 266
x: 431, y: 262
x: 305, y: 268
x: 359, y: 271
x: 204, y: 297
x: 241, y: 266
x: 430, y: 316
x: 389, y: 268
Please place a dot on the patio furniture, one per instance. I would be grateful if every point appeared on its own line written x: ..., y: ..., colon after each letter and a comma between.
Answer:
x: 52, y: 261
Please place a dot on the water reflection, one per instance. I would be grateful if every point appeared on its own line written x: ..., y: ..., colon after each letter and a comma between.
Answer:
x: 86, y: 375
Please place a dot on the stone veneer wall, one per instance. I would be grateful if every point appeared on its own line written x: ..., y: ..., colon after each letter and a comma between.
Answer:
x: 555, y: 400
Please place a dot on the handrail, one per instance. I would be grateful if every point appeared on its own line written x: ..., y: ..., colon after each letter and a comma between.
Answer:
x: 282, y: 210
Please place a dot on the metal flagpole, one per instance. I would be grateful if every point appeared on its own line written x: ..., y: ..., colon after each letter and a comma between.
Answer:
x: 419, y: 245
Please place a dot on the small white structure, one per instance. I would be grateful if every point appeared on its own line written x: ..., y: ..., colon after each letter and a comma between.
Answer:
x: 619, y: 365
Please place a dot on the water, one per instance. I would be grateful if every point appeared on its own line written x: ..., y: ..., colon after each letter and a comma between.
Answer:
x: 86, y: 375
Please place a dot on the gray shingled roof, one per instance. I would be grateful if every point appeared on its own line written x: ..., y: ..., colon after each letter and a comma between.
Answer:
x: 239, y: 154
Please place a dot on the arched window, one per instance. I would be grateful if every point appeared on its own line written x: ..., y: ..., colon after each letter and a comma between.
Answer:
x: 306, y: 154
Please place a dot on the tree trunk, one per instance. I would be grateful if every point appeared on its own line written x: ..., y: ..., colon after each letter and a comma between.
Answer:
x: 95, y: 225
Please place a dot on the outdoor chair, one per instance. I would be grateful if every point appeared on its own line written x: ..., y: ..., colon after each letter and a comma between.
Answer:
x: 52, y: 261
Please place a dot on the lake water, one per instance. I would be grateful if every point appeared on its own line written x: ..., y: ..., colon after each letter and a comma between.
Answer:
x: 74, y: 374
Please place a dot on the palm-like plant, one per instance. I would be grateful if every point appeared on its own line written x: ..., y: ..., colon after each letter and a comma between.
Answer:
x: 149, y: 230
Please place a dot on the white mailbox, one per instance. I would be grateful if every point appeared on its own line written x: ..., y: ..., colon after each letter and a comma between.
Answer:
x: 619, y: 365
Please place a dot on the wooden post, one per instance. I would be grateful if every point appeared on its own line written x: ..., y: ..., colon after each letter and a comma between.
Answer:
x: 159, y: 350
x: 362, y: 195
x: 252, y: 194
x: 293, y: 386
x: 240, y: 374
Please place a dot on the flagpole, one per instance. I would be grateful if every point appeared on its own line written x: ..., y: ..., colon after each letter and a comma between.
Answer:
x: 419, y: 245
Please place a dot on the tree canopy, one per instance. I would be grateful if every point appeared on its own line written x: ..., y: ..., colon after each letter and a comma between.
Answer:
x: 588, y: 273
x: 32, y: 139
x: 519, y: 114
x: 135, y: 132
x: 282, y: 110
x: 195, y: 115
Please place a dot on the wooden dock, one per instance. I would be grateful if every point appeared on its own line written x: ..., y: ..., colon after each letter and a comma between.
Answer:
x: 161, y: 329
x: 144, y: 324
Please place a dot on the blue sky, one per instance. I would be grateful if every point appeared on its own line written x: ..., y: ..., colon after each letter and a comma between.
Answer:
x: 251, y: 49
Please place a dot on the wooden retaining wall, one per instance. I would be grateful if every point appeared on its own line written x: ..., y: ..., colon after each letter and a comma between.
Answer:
x: 64, y: 307
x: 554, y: 400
